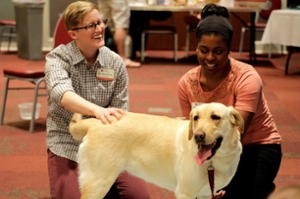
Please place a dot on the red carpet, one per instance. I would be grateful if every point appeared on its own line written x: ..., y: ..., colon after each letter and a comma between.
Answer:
x: 152, y: 88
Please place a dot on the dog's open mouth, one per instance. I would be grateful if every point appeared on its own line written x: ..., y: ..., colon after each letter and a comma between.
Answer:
x: 206, y: 152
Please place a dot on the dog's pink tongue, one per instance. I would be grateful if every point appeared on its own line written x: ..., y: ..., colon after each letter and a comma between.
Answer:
x: 203, y: 153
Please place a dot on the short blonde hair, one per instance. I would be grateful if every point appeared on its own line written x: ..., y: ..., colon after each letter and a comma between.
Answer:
x: 76, y: 11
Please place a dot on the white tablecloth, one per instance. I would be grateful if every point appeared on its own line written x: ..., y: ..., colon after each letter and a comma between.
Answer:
x: 239, y: 6
x: 283, y: 27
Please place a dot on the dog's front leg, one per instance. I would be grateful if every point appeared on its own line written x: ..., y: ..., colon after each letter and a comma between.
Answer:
x: 184, y: 193
x: 183, y: 196
x: 203, y: 197
x: 188, y: 196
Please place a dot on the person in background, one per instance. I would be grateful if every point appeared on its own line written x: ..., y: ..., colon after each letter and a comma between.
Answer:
x: 220, y: 78
x: 84, y: 77
x: 139, y: 20
x: 118, y: 13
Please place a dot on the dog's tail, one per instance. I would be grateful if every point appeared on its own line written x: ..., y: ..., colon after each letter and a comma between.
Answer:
x: 78, y: 131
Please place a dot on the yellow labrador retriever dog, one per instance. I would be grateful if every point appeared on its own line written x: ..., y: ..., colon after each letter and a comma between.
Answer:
x: 171, y: 153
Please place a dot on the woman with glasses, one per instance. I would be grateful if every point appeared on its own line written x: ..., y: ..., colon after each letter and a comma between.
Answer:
x: 85, y: 77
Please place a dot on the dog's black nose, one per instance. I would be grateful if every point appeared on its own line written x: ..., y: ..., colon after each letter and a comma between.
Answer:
x: 199, y: 137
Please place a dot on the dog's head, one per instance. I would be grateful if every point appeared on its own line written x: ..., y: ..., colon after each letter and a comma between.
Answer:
x: 214, y: 127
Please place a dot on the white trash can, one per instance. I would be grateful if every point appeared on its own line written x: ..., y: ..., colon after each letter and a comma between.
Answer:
x: 26, y: 110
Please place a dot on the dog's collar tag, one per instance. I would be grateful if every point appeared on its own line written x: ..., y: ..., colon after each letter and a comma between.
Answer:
x: 105, y: 74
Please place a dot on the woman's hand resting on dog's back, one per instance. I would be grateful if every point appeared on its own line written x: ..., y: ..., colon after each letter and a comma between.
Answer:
x: 106, y: 114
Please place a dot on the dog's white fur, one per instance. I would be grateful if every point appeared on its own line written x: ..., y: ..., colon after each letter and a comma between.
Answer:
x: 158, y: 149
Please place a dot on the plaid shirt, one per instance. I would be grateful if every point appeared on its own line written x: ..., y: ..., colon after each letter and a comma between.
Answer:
x: 67, y: 70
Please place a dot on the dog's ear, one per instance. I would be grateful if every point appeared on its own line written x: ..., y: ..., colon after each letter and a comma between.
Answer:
x: 191, y: 125
x: 236, y: 119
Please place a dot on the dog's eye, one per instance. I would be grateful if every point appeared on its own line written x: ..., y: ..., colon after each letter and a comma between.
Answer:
x: 196, y: 118
x: 215, y: 117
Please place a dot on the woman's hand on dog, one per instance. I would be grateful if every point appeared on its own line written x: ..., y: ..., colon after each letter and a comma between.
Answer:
x: 106, y: 115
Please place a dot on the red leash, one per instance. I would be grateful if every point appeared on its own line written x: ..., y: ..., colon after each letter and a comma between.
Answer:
x: 211, y: 180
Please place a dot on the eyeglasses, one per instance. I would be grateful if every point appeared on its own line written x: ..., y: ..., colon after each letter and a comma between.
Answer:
x: 92, y: 26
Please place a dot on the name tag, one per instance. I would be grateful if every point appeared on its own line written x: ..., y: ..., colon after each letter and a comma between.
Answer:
x: 105, y: 74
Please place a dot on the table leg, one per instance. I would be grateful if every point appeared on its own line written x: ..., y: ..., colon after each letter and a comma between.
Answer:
x: 252, y: 38
x: 291, y: 50
x: 252, y: 55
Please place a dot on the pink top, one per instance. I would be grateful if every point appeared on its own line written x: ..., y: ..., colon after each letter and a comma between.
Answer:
x: 242, y: 89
